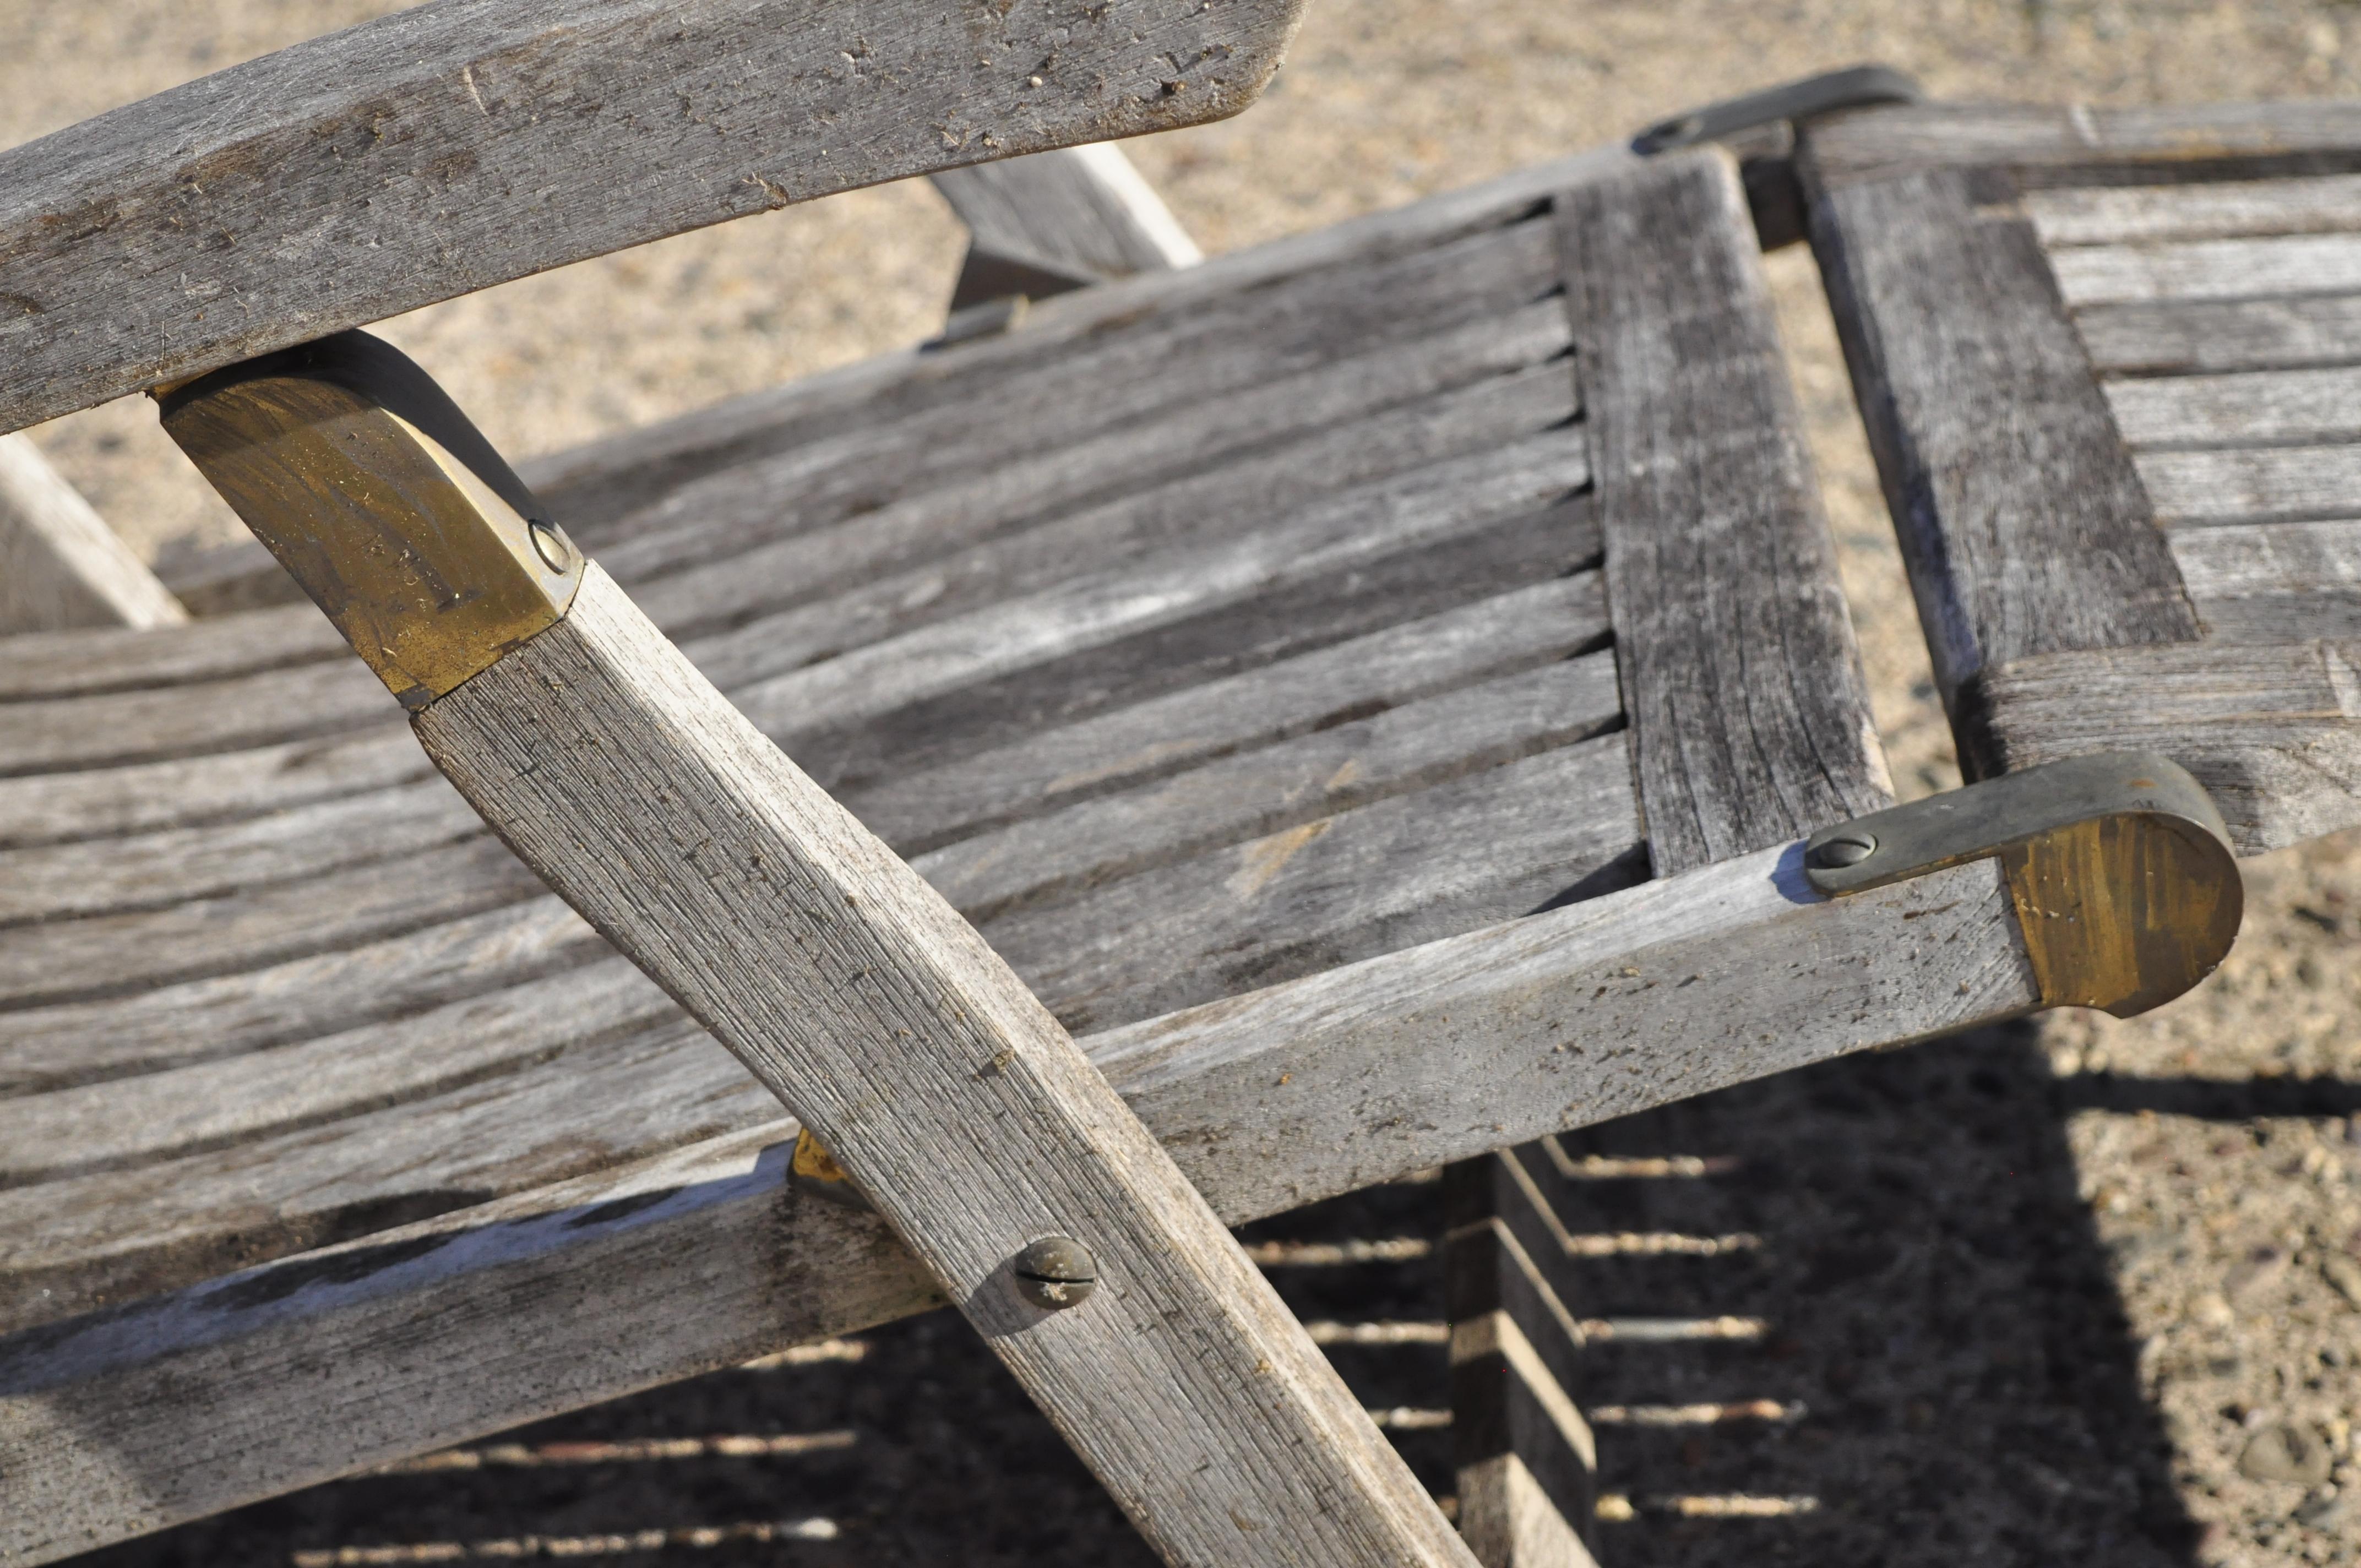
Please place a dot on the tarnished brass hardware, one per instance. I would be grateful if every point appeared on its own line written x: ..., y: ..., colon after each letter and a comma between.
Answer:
x: 2118, y: 864
x: 815, y: 1171
x: 384, y: 502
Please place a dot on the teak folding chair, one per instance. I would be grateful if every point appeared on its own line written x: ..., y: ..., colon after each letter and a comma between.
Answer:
x: 1385, y: 693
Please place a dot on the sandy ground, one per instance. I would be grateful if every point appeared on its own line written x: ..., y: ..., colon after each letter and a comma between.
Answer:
x: 2188, y: 1266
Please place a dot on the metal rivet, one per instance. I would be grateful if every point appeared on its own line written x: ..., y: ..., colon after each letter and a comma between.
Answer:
x: 1054, y: 1273
x: 549, y: 545
x: 1848, y: 849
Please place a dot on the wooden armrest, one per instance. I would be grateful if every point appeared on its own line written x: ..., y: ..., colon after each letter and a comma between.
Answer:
x: 443, y: 149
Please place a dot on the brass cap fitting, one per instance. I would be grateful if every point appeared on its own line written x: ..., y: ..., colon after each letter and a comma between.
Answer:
x: 381, y: 499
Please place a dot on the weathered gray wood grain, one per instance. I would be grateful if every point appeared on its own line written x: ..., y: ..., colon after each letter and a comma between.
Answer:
x: 1220, y: 640
x: 1402, y: 870
x: 112, y: 729
x: 190, y: 1109
x: 2062, y: 143
x: 60, y: 566
x: 2257, y: 407
x: 2226, y: 209
x: 79, y: 1240
x: 1087, y: 608
x: 933, y: 428
x: 1268, y: 1100
x: 2208, y: 270
x: 1343, y: 888
x: 1282, y: 438
x: 2257, y: 485
x: 1369, y: 270
x: 243, y: 929
x: 2022, y: 522
x: 970, y: 1120
x: 2272, y: 730
x: 2286, y: 582
x: 219, y: 787
x: 178, y: 866
x: 1096, y: 598
x: 1080, y: 209
x: 943, y: 417
x: 1749, y: 711
x: 353, y: 176
x: 1260, y: 493
x: 63, y: 1043
x: 1280, y: 787
x: 2188, y: 338
x: 80, y: 664
x: 1273, y: 702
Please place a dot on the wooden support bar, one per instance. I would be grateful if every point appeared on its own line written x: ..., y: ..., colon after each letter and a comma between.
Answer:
x: 2024, y: 525
x: 1748, y: 713
x: 60, y: 566
x: 1075, y: 216
x: 858, y: 996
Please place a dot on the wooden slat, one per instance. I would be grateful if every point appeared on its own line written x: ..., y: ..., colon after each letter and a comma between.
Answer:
x: 111, y: 954
x: 291, y: 1002
x: 1367, y: 266
x: 55, y: 734
x: 60, y: 566
x: 2227, y: 209
x: 1457, y: 497
x: 2077, y: 144
x: 2025, y: 526
x: 1273, y: 702
x: 466, y: 1324
x: 1278, y: 788
x: 1298, y: 428
x: 2277, y: 483
x: 1083, y: 210
x: 972, y: 1121
x: 1748, y: 708
x: 53, y: 809
x: 2293, y: 264
x: 353, y: 176
x: 2288, y: 582
x: 942, y: 418
x: 2272, y: 731
x: 176, y: 865
x: 1407, y: 869
x: 1348, y: 886
x: 84, y: 664
x: 2277, y: 407
x: 2198, y: 337
x: 187, y: 1110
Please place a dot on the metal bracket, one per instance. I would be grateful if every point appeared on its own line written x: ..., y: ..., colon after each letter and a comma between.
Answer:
x: 1858, y: 87
x: 2119, y: 866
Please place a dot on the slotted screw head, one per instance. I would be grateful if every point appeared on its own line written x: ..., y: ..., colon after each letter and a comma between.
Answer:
x: 1848, y: 849
x: 1054, y: 1273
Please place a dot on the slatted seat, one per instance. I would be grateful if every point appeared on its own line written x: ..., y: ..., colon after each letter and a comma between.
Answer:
x: 2106, y: 360
x: 1208, y: 631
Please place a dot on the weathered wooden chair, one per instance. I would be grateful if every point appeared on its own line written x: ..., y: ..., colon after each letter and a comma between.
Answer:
x: 1296, y: 666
